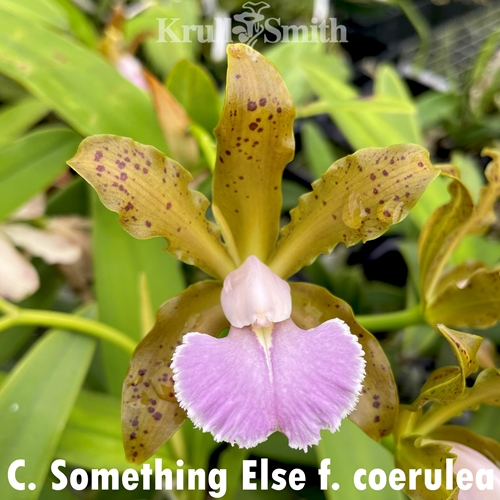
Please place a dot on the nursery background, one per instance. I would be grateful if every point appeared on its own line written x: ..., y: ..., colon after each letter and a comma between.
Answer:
x: 78, y: 293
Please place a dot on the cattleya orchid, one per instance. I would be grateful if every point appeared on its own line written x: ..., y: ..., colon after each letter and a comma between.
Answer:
x: 267, y: 374
x: 425, y: 440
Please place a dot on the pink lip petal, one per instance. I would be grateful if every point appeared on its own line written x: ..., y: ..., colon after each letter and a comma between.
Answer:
x: 241, y: 392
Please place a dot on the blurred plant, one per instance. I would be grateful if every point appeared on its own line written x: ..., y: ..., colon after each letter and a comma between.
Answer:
x: 18, y: 277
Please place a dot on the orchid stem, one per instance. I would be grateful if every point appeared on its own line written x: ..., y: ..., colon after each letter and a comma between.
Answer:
x: 15, y: 316
x: 393, y: 320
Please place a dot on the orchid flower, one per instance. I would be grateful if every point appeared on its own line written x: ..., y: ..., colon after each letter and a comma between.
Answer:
x: 18, y: 277
x: 268, y: 374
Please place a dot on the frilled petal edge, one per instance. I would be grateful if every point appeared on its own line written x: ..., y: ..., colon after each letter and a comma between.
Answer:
x: 251, y: 383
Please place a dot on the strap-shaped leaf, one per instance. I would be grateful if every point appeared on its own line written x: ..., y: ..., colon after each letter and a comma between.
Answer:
x: 151, y: 194
x: 474, y: 302
x: 357, y: 199
x: 150, y: 412
x: 254, y: 143
x: 377, y: 407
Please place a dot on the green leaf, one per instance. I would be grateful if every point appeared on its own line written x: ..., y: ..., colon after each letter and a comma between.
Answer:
x: 435, y: 108
x: 349, y: 449
x: 377, y: 406
x: 196, y: 91
x: 80, y: 24
x: 120, y: 263
x: 43, y: 11
x: 18, y: 118
x: 151, y: 413
x: 291, y: 60
x: 389, y: 84
x: 231, y: 460
x: 254, y: 143
x: 77, y: 83
x: 152, y: 196
x: 30, y: 165
x: 15, y: 338
x: 357, y: 199
x: 361, y: 120
x: 35, y: 402
x: 319, y: 152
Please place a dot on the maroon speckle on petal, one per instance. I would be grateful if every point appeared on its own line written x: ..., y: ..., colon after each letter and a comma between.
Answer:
x: 145, y: 170
x: 129, y: 206
x: 142, y: 372
x: 253, y: 126
x: 385, y: 173
x: 148, y: 224
x: 157, y: 416
x: 420, y: 164
x: 100, y: 168
x: 98, y: 155
x: 251, y: 106
x: 123, y: 176
x: 262, y: 101
x: 373, y: 177
x: 279, y: 110
x: 169, y: 206
x: 137, y: 166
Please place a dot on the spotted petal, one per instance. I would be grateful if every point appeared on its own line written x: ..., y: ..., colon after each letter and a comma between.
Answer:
x: 357, y: 199
x: 150, y: 412
x: 254, y: 144
x: 244, y: 387
x: 152, y: 196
